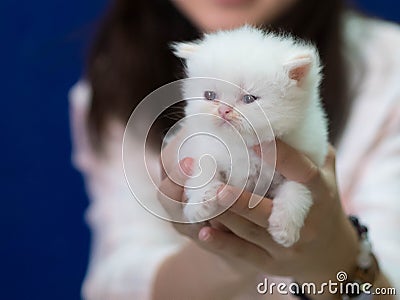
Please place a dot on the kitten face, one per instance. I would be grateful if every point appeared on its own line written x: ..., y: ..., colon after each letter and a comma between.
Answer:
x: 234, y: 108
x: 261, y: 80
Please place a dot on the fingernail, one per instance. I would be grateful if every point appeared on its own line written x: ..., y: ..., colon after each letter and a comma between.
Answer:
x: 204, y: 234
x: 225, y: 196
x: 265, y: 149
x: 187, y: 165
x: 257, y: 150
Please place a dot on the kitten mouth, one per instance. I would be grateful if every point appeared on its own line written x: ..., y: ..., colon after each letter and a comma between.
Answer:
x: 226, y: 122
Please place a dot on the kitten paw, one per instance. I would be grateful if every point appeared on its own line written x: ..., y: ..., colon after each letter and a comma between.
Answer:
x: 202, y: 203
x: 200, y: 212
x: 283, y: 233
x: 290, y: 207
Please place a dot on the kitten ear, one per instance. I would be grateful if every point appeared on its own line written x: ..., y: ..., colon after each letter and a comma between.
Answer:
x: 184, y: 50
x: 299, y: 67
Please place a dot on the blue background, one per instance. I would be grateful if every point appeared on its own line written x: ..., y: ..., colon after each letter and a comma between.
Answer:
x: 45, y: 242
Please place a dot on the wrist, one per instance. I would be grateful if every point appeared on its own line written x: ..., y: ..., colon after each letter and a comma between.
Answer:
x: 184, y: 275
x: 354, y: 281
x: 337, y: 253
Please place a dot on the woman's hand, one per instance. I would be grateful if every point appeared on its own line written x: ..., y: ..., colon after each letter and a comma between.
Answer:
x: 327, y: 244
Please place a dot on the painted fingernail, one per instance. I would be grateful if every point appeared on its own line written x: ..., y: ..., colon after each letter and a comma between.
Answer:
x: 265, y: 150
x: 225, y: 196
x: 187, y: 165
x: 257, y: 150
x: 204, y: 234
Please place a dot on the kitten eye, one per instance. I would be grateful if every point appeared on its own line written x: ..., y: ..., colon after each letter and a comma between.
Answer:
x: 249, y: 98
x: 210, y: 95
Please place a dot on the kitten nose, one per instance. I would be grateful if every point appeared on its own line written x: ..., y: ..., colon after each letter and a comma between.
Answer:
x: 223, y: 110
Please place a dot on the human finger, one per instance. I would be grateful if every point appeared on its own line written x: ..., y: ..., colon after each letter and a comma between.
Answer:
x: 258, y: 215
x: 246, y: 229
x: 229, y: 244
x: 170, y: 192
x: 291, y: 163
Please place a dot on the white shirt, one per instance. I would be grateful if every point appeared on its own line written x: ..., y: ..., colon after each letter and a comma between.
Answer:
x: 129, y: 243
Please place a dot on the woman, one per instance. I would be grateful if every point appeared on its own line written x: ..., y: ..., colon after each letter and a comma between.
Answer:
x: 138, y: 256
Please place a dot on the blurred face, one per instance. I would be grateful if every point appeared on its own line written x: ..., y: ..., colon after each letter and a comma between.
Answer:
x: 211, y: 15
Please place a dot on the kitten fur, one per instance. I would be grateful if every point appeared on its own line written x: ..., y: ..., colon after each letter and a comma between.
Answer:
x: 284, y: 74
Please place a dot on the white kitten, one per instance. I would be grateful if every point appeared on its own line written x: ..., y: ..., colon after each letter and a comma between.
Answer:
x: 272, y: 76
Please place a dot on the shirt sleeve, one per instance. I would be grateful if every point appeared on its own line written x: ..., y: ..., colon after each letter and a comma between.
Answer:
x: 128, y: 243
x: 375, y: 196
x: 368, y: 157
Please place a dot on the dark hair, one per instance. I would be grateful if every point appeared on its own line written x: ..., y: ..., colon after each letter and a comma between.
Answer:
x: 130, y: 56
